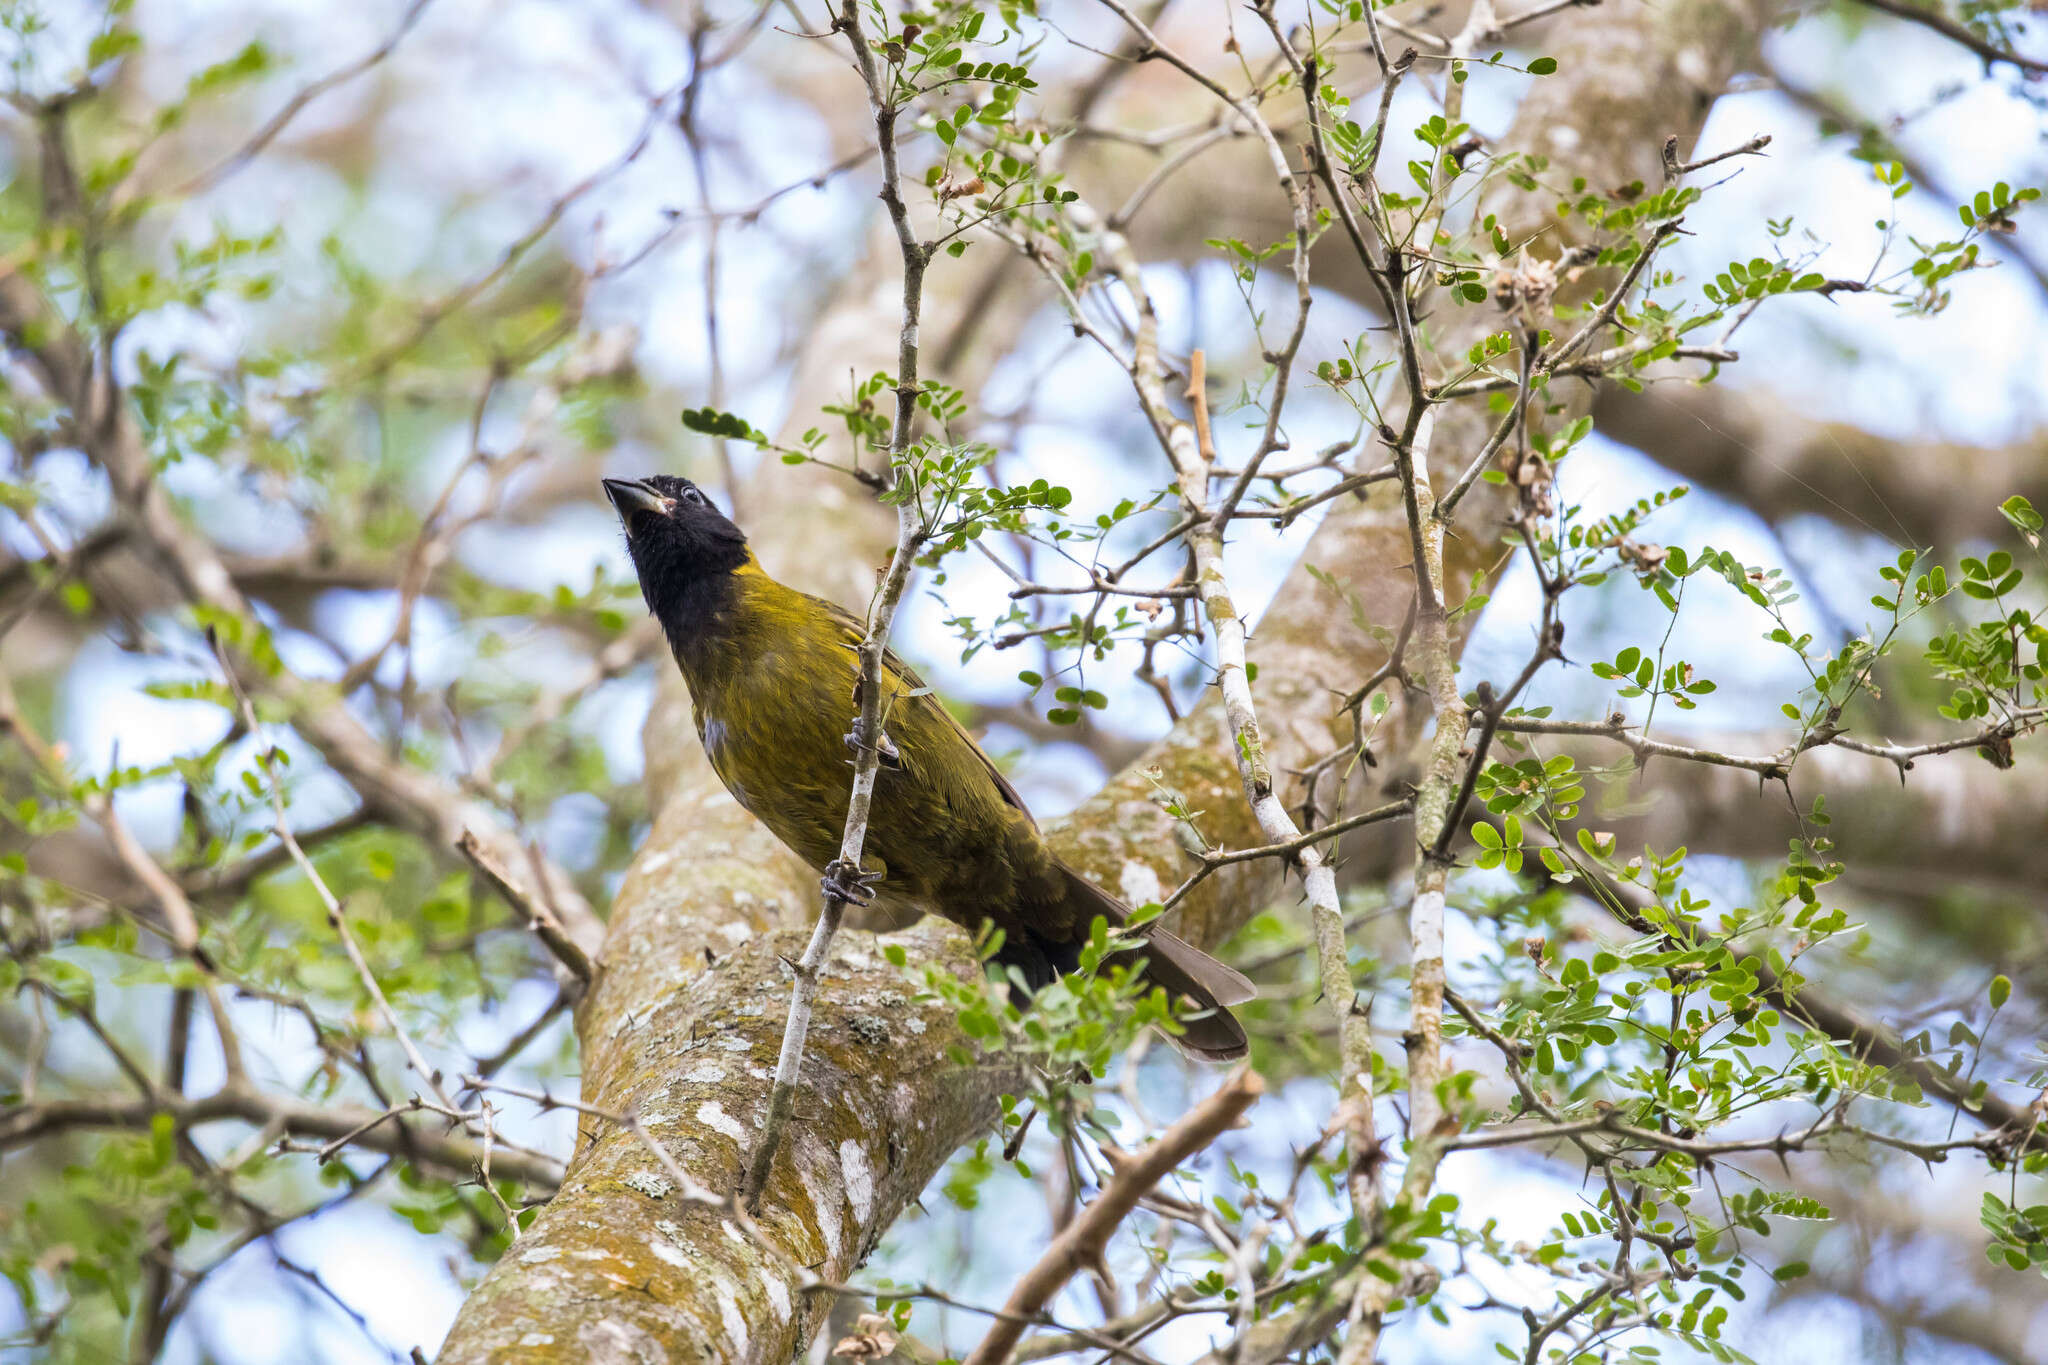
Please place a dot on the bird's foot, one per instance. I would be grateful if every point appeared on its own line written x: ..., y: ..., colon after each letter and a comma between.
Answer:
x: 848, y: 883
x: 886, y: 748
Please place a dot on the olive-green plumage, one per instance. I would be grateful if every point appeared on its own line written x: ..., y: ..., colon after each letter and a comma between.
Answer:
x: 772, y: 674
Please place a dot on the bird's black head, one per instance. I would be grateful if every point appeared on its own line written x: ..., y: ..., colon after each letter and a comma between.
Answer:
x: 683, y: 547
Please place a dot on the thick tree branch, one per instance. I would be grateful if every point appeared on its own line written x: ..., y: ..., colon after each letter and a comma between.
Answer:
x: 676, y: 1031
x: 1752, y: 447
x: 1935, y: 20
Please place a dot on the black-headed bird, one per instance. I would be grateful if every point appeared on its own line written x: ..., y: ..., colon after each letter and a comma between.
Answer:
x: 772, y: 674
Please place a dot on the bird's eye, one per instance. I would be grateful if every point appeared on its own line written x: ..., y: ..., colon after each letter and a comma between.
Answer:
x: 693, y: 497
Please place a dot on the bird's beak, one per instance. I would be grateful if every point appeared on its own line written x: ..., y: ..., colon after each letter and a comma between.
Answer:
x: 631, y: 497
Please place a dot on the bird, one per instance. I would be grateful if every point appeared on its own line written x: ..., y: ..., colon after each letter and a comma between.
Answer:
x: 773, y: 675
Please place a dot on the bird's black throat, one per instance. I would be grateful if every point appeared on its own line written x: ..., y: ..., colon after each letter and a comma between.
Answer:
x: 695, y: 611
x: 688, y: 576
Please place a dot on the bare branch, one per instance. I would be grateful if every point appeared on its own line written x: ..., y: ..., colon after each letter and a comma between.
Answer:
x: 1081, y: 1243
x: 336, y: 916
x: 278, y: 122
x: 392, y: 1132
x: 1934, y: 20
x: 538, y: 917
x: 843, y: 882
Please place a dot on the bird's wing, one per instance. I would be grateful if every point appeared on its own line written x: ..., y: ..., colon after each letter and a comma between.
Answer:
x: 855, y: 631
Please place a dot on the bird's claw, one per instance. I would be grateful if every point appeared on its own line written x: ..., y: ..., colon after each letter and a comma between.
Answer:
x: 886, y: 748
x: 848, y: 883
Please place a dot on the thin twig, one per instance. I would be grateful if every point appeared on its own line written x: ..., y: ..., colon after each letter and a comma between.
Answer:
x: 336, y: 916
x: 843, y: 880
x: 546, y: 927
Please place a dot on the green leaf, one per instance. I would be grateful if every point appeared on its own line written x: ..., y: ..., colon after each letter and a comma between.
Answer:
x: 112, y: 43
x: 712, y: 422
x: 1543, y: 66
x: 2001, y: 990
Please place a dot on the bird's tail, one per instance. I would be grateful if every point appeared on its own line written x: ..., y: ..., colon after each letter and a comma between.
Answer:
x: 1203, y: 986
x: 1201, y: 983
